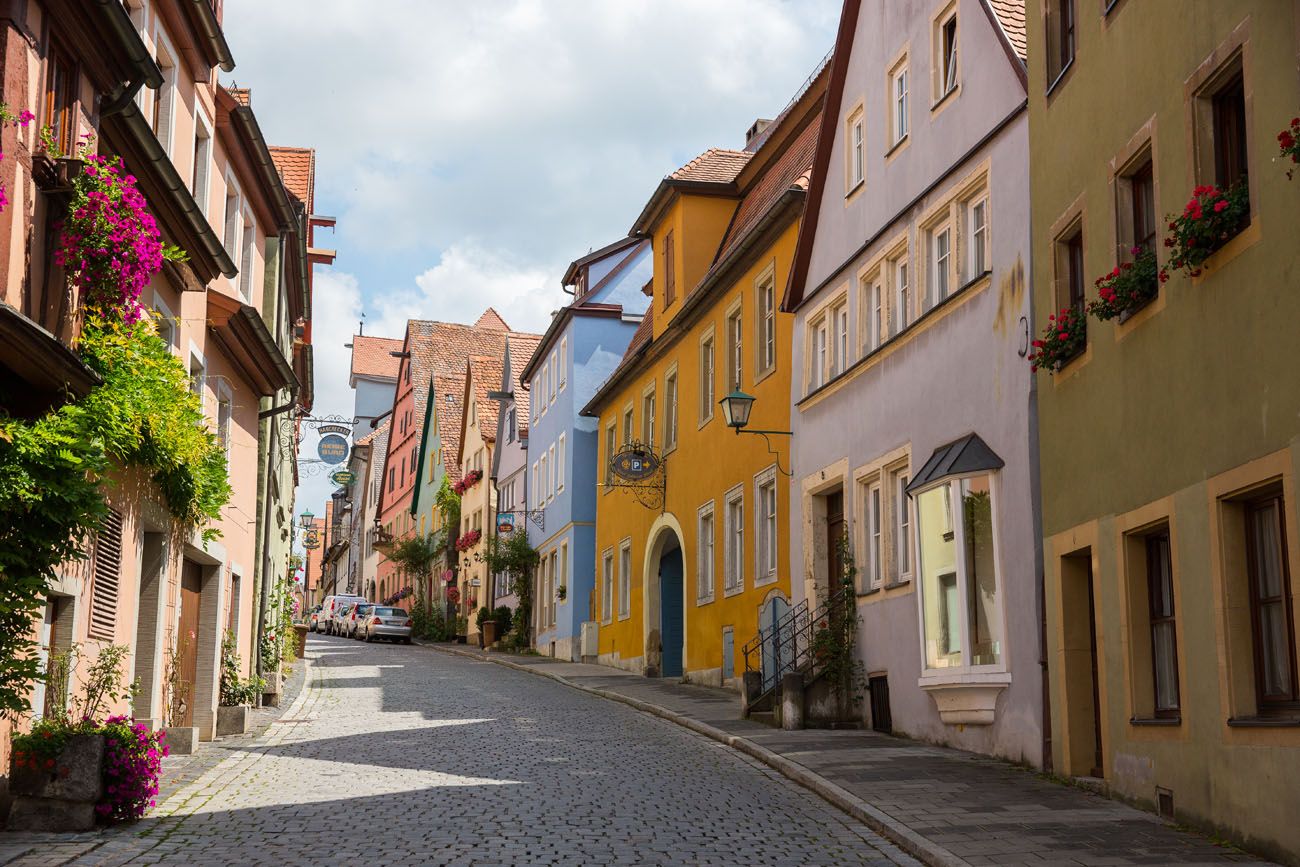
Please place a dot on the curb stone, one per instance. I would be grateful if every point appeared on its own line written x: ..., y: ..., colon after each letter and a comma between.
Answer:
x: 914, y: 844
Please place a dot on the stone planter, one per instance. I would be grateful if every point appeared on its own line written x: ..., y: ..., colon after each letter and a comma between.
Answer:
x: 182, y: 740
x: 488, y: 636
x: 274, y: 687
x: 232, y: 720
x: 63, y: 797
x: 300, y: 629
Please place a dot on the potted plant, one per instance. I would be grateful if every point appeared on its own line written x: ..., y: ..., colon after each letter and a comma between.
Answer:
x: 182, y: 739
x: 1065, y: 337
x: 236, y: 695
x: 1128, y: 288
x: 1289, y: 141
x: 1209, y: 220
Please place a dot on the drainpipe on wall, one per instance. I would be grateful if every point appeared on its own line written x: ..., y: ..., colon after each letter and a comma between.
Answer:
x: 268, y: 415
x: 1040, y: 587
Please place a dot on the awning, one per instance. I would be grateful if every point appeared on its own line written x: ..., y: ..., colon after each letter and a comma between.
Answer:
x: 240, y: 332
x: 962, y: 457
x: 43, y: 371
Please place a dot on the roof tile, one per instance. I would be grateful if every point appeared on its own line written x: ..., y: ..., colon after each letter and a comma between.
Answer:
x: 373, y: 356
x: 297, y: 167
x: 1011, y: 15
x: 715, y: 165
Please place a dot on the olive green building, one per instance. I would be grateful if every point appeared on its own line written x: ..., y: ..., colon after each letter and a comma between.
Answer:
x: 1170, y: 442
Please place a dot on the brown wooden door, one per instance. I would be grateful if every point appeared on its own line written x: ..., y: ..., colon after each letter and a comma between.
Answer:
x: 191, y: 595
x: 834, y: 533
x: 1098, y: 760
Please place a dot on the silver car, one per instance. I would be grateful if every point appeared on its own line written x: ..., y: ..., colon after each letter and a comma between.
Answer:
x: 357, y: 616
x: 392, y: 624
x: 338, y: 623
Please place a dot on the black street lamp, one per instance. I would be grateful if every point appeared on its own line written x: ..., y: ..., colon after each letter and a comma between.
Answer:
x: 305, y: 519
x: 736, y: 408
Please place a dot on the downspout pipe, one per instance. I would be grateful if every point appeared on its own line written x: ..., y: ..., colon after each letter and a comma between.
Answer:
x: 273, y: 437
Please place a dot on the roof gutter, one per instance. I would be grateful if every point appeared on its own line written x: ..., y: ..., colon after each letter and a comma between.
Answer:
x: 118, y: 21
x: 212, y: 33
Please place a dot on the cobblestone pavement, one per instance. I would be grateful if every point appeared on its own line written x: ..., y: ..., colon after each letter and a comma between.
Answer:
x: 965, y: 808
x: 399, y: 755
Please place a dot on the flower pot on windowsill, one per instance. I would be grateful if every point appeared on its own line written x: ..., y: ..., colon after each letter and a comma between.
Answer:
x: 62, y: 796
x: 55, y: 174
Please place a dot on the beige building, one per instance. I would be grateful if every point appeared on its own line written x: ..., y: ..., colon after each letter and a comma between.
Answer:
x: 1170, y: 433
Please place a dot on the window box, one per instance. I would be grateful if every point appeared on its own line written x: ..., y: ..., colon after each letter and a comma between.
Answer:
x: 1289, y: 141
x: 1065, y: 338
x: 1128, y: 288
x: 966, y: 699
x: 1211, y: 218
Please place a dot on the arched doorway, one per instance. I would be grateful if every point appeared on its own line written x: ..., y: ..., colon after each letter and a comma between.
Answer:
x: 664, y: 582
x: 777, y: 652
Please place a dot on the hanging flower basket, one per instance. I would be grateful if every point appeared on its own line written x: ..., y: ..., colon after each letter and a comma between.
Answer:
x: 1130, y: 286
x: 1289, y: 140
x: 1209, y: 220
x: 467, y: 481
x: 468, y: 540
x: 1065, y: 337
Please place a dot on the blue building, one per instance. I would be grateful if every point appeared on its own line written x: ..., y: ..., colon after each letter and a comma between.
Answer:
x: 578, y: 352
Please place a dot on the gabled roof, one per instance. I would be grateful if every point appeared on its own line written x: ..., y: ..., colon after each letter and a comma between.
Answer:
x: 297, y: 166
x: 491, y: 319
x: 571, y: 273
x: 1009, y: 15
x: 372, y: 357
x: 521, y: 349
x: 450, y: 394
x: 484, y: 374
x: 440, y: 349
x: 714, y: 166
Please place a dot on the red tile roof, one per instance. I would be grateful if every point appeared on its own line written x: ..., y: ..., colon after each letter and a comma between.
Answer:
x: 449, y: 413
x: 373, y: 357
x: 485, y: 373
x: 522, y: 348
x: 241, y: 95
x: 715, y: 165
x: 491, y: 319
x: 297, y: 167
x: 1011, y: 17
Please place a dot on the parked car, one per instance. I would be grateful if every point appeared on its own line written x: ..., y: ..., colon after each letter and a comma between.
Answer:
x: 329, y: 609
x: 339, y: 622
x: 313, y: 618
x: 356, y: 616
x: 391, y: 624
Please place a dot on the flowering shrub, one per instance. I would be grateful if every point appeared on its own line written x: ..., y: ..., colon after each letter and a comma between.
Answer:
x: 404, y: 593
x: 1065, y: 337
x: 1128, y: 287
x: 468, y: 540
x: 109, y: 242
x: 1289, y: 140
x: 1209, y: 219
x: 453, y: 594
x: 8, y: 118
x: 468, y: 481
x: 132, y: 762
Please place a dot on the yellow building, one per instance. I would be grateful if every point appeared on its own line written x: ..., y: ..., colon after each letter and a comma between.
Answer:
x: 690, y: 560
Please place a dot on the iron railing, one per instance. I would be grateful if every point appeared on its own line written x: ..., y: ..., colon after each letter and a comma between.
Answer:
x: 789, y: 645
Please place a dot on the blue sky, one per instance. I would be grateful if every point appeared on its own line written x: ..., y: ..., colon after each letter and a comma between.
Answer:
x: 471, y: 150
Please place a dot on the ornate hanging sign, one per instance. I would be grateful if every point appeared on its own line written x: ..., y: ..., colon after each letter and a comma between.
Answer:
x: 311, y: 540
x: 333, y: 448
x: 343, y: 478
x: 505, y: 523
x: 635, y: 464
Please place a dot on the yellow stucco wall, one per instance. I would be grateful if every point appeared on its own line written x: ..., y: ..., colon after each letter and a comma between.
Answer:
x: 708, y: 461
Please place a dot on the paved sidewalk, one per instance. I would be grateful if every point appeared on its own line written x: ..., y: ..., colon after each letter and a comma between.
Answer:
x: 942, y: 805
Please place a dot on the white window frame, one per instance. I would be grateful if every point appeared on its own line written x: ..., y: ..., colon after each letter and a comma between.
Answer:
x: 871, y: 303
x: 553, y: 378
x: 819, y: 341
x: 607, y: 591
x: 225, y: 396
x: 939, y: 284
x: 978, y: 248
x: 562, y: 578
x: 734, y: 326
x: 873, y: 532
x: 166, y: 94
x: 625, y: 578
x: 902, y: 291
x: 708, y: 374
x: 898, y: 103
x: 840, y: 356
x: 947, y: 70
x: 560, y: 445
x: 767, y: 528
x: 202, y: 185
x: 247, y: 255
x: 550, y: 476
x: 902, y: 524
x: 855, y: 150
x: 765, y: 323
x: 164, y: 313
x: 231, y: 224
x: 564, y: 363
x: 733, y: 549
x: 706, y: 544
x: 672, y: 391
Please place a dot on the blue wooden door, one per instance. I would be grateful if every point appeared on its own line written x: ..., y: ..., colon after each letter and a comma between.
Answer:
x: 670, y: 611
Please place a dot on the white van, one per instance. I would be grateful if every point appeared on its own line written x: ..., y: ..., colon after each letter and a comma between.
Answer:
x: 331, y: 606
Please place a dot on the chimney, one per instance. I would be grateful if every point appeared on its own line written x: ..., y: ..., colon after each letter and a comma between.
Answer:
x: 756, y: 129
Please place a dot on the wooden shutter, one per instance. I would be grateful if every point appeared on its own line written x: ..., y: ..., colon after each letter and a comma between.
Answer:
x: 670, y: 270
x: 107, y: 573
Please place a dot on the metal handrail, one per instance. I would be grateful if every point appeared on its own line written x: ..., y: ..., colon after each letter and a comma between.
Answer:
x: 787, y: 645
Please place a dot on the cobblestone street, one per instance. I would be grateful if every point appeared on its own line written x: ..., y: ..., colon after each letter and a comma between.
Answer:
x: 402, y: 755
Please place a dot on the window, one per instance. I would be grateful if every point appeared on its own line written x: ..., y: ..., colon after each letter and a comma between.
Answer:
x: 670, y: 410
x: 607, y: 586
x: 510, y: 425
x: 1142, y: 190
x: 106, y: 571
x: 734, y: 543
x: 856, y: 164
x: 223, y: 419
x: 559, y: 463
x: 627, y: 425
x: 537, y: 485
x: 706, y: 378
x: 1164, y: 640
x: 60, y: 97
x: 873, y: 309
x: 705, y: 546
x: 765, y: 504
x: 648, y: 418
x: 166, y: 321
x: 961, y: 617
x: 766, y: 343
x: 900, y: 314
x: 230, y: 239
x: 840, y: 326
x: 898, y: 103
x: 1229, y: 110
x: 550, y: 479
x: 735, y: 353
x: 202, y: 158
x: 164, y: 101
x: 625, y: 579
x: 564, y: 362
x: 946, y: 53
x: 1272, y: 632
x: 544, y: 491
x: 901, y: 527
x: 940, y: 263
x: 1075, y: 286
x: 536, y: 389
x: 819, y: 346
x: 670, y: 270
x: 978, y: 209
x: 198, y: 376
x: 1060, y: 38
x: 562, y: 577
x: 611, y: 447
x: 415, y: 459
x: 872, y: 571
x: 553, y: 376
